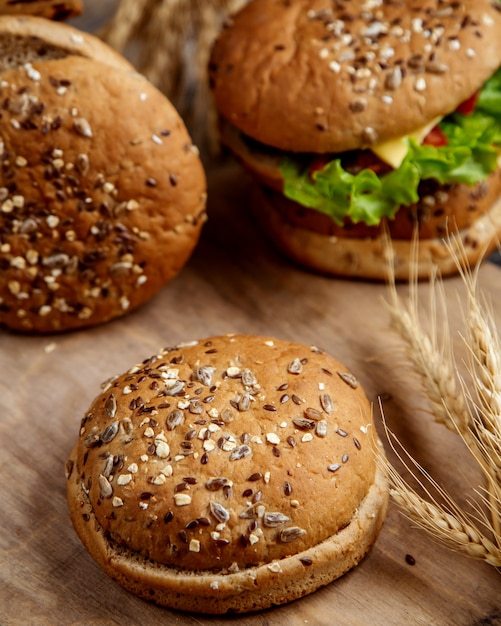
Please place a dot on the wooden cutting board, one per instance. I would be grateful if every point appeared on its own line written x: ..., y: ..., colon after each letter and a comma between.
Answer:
x: 235, y: 282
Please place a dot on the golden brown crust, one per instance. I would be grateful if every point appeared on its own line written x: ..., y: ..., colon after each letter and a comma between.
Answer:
x: 239, y: 591
x: 227, y: 457
x: 308, y: 76
x: 102, y: 194
x: 27, y: 38
x: 48, y: 9
x: 370, y: 257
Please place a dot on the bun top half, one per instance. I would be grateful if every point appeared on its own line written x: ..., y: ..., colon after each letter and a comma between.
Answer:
x: 317, y: 76
x: 230, y: 451
x: 102, y: 192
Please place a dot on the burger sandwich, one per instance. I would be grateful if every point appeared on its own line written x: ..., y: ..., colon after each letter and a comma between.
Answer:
x: 365, y: 119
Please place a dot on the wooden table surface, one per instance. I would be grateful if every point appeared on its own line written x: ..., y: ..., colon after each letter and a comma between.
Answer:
x: 235, y: 282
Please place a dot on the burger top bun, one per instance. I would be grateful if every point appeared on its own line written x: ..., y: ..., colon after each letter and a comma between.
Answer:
x: 102, y: 194
x: 49, y: 9
x: 228, y: 474
x: 316, y: 76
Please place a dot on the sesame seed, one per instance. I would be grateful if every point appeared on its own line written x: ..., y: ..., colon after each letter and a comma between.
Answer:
x: 116, y: 502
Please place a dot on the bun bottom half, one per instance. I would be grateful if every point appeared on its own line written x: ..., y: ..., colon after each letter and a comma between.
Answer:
x: 374, y: 257
x: 245, y: 590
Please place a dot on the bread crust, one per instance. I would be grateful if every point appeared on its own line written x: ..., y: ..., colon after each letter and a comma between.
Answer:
x: 311, y: 76
x: 48, y: 9
x: 161, y: 521
x: 372, y: 258
x: 103, y: 194
x: 28, y: 38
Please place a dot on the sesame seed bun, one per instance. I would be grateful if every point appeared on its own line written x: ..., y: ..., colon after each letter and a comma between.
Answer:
x: 311, y: 78
x: 228, y: 475
x: 102, y: 194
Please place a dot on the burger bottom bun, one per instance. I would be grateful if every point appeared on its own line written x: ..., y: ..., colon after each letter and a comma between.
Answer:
x: 381, y: 256
x: 246, y: 590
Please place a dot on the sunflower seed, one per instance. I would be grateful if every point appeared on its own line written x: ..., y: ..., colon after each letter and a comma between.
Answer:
x: 321, y: 429
x: 240, y: 453
x: 291, y: 534
x: 219, y: 512
x: 213, y: 484
x: 272, y: 520
x: 303, y: 424
x: 110, y: 406
x: 312, y: 414
x: 326, y: 402
x: 248, y: 378
x: 204, y: 374
x: 295, y: 367
x: 349, y: 379
x: 174, y: 419
x: 110, y: 432
x: 105, y: 486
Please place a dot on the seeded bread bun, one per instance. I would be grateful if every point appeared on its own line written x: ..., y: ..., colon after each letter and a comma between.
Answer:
x: 282, y: 74
x: 49, y: 9
x: 102, y: 194
x: 228, y: 475
x: 317, y: 82
x: 26, y: 39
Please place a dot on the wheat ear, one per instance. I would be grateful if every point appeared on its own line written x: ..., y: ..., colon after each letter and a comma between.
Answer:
x: 445, y: 522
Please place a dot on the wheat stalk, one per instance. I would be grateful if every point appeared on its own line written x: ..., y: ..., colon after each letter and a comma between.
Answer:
x: 445, y: 520
x: 476, y: 416
x: 169, y: 41
x: 433, y: 361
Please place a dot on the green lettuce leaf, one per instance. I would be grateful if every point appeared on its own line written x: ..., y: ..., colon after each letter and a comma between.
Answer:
x: 474, y: 143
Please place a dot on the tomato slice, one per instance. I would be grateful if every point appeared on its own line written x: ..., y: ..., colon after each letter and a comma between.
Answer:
x: 468, y: 106
x: 436, y: 137
x: 318, y: 163
x: 370, y: 161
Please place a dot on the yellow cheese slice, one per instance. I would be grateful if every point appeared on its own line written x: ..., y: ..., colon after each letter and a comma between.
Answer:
x: 393, y: 151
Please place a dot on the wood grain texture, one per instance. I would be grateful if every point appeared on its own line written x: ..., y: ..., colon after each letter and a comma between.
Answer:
x: 235, y: 282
